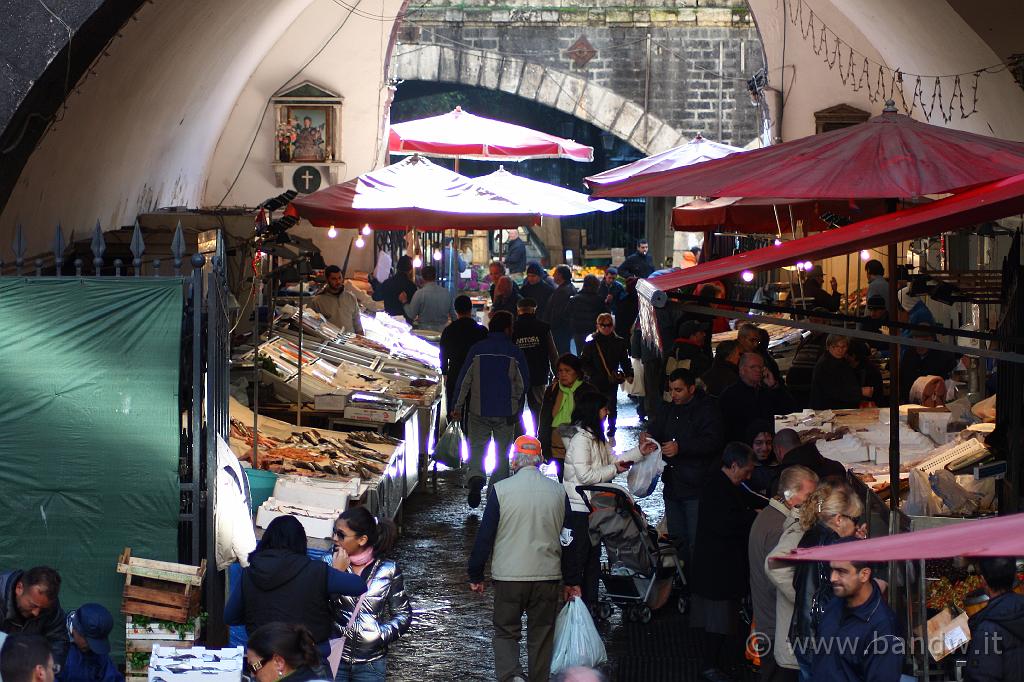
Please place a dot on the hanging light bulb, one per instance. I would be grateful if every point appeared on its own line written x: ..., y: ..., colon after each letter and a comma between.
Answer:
x: 437, y: 254
x: 799, y: 266
x: 808, y: 265
x: 417, y: 262
x: 359, y: 242
x: 865, y: 254
x: 332, y: 233
x: 778, y: 242
x: 747, y: 276
x: 366, y: 230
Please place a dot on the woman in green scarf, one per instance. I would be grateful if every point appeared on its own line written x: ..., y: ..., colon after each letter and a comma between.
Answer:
x: 556, y: 410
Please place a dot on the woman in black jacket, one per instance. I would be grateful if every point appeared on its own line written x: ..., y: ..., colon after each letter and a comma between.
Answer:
x: 556, y: 408
x: 584, y: 308
x: 835, y: 384
x: 282, y: 652
x: 830, y: 513
x: 606, y: 364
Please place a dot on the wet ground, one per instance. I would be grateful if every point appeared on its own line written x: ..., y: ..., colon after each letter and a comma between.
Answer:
x: 451, y: 634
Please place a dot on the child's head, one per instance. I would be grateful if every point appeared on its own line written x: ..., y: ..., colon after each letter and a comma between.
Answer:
x: 90, y: 626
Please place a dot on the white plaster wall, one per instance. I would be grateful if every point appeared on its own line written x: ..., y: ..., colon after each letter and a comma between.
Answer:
x: 920, y: 36
x: 352, y: 64
x: 139, y: 133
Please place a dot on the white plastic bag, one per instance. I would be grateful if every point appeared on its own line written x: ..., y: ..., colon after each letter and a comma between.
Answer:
x: 577, y: 641
x: 635, y: 387
x: 643, y: 476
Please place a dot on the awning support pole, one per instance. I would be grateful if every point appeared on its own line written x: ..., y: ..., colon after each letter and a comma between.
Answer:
x: 894, y: 401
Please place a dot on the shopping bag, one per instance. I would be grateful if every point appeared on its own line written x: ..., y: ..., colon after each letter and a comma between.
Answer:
x: 448, y: 449
x: 635, y: 387
x: 577, y: 641
x: 643, y: 476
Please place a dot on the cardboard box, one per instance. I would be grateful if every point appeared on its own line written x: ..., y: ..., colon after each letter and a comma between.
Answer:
x: 375, y: 416
x: 197, y: 664
x: 947, y: 634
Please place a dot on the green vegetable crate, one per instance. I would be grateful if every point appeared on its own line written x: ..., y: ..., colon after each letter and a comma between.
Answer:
x: 141, y: 633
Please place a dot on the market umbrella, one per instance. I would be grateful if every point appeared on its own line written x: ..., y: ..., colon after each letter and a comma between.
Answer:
x: 999, y: 536
x: 460, y: 134
x: 696, y: 151
x: 889, y: 156
x: 413, y: 193
x: 545, y: 198
x: 767, y: 216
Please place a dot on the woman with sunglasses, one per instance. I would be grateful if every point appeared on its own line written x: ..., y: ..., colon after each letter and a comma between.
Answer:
x: 277, y: 652
x: 282, y: 584
x: 607, y: 365
x: 371, y: 622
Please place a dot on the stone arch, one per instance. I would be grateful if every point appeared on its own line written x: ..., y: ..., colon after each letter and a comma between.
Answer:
x: 595, y: 104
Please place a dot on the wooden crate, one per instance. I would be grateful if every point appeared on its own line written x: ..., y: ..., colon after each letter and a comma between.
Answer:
x: 159, y: 589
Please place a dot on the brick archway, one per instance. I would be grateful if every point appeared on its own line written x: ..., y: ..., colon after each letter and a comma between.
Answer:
x: 566, y: 92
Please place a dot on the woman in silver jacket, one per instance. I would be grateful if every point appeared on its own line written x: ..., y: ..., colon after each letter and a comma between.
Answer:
x: 383, y: 613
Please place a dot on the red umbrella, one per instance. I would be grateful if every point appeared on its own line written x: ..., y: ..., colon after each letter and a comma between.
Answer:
x: 1000, y: 536
x: 460, y: 134
x: 768, y: 216
x: 697, y: 150
x: 411, y: 193
x: 890, y: 156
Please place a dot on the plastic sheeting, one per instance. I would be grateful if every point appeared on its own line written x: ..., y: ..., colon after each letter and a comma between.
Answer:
x: 89, y: 417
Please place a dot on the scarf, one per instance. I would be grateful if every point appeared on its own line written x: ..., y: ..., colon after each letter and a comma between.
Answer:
x: 564, y: 413
x: 362, y: 558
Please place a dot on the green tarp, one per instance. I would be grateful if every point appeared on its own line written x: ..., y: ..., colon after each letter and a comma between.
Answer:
x: 89, y: 429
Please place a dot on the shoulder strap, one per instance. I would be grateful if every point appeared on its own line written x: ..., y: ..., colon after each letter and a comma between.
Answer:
x: 600, y: 354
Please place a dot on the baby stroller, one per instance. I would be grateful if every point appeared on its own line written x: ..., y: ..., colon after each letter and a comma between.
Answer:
x: 643, y: 571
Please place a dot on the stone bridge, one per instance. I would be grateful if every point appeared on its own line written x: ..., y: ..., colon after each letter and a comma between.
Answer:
x: 653, y: 76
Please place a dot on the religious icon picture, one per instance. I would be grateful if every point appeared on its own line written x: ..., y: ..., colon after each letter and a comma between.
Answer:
x: 307, y: 133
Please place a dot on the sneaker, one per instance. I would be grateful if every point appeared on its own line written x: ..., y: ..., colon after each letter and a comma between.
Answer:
x: 476, y: 484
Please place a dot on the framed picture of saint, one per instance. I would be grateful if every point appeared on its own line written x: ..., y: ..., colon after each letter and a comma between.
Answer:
x: 312, y: 131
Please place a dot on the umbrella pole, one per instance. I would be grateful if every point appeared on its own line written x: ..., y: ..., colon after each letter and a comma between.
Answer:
x: 859, y: 268
x: 894, y: 402
x: 847, y: 284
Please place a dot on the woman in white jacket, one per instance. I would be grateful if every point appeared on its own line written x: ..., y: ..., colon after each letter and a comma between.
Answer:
x: 589, y: 461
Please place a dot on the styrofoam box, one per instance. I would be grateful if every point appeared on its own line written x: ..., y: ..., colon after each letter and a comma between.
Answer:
x: 331, y: 402
x: 314, y: 527
x: 316, y: 493
x: 197, y: 664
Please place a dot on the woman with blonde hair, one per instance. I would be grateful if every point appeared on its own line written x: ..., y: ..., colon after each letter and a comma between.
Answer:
x: 830, y: 513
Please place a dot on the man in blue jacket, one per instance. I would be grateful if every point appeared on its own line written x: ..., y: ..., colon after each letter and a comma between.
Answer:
x: 996, y: 651
x: 89, y: 660
x: 491, y: 391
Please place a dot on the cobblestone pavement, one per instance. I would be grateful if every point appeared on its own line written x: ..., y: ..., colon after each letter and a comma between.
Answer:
x: 450, y: 638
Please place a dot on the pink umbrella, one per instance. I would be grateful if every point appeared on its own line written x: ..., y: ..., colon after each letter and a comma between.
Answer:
x: 697, y: 150
x: 543, y: 197
x: 459, y: 134
x: 1000, y: 536
x: 411, y: 193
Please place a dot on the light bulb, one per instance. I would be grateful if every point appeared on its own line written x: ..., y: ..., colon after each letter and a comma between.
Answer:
x: 799, y: 266
x: 332, y: 233
x: 437, y: 254
x: 359, y: 242
x: 865, y: 254
x: 778, y: 242
x: 808, y: 265
x: 747, y: 276
x: 417, y: 262
x: 366, y: 230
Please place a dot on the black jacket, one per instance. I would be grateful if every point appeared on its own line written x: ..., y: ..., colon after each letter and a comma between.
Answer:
x: 807, y: 455
x: 456, y: 340
x: 741, y: 404
x: 996, y: 651
x: 546, y: 416
x: 812, y: 583
x: 534, y: 338
x: 388, y: 291
x: 805, y: 359
x: 697, y: 429
x: 819, y: 297
x: 835, y: 385
x: 913, y: 366
x: 280, y: 585
x: 540, y: 293
x: 51, y: 624
x: 626, y: 312
x: 509, y: 304
x: 584, y: 308
x: 515, y: 257
x: 720, y: 569
x: 683, y: 350
x: 638, y: 265
x: 557, y: 314
x: 721, y: 376
x: 615, y: 352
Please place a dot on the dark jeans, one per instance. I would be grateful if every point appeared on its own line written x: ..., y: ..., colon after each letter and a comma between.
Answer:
x: 362, y: 672
x: 534, y: 400
x: 612, y: 395
x: 539, y: 601
x: 579, y: 340
x: 654, y: 380
x: 562, y: 338
x: 585, y: 557
x: 681, y: 516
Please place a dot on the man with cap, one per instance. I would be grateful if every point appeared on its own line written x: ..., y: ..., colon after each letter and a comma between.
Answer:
x: 814, y: 289
x: 611, y: 290
x: 876, y: 318
x: 89, y: 660
x: 538, y: 286
x: 533, y: 337
x: 521, y: 533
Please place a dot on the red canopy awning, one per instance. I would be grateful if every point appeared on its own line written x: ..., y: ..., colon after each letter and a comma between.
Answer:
x: 768, y: 216
x: 411, y: 193
x: 459, y: 134
x: 1000, y: 536
x: 892, y: 156
x: 697, y: 150
x: 988, y: 202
